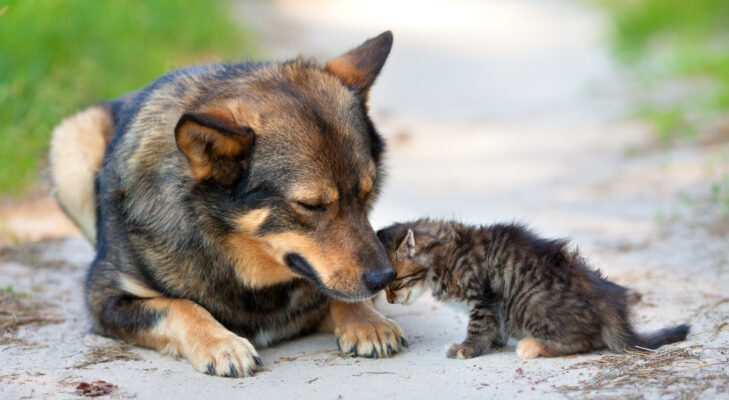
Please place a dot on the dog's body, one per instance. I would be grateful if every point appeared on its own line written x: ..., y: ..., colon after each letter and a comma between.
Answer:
x: 231, y: 204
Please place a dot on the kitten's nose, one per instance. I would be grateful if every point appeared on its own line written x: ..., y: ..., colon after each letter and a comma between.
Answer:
x: 376, y: 280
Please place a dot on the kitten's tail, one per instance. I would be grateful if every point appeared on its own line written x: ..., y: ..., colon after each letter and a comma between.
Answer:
x: 654, y: 340
x: 622, y: 340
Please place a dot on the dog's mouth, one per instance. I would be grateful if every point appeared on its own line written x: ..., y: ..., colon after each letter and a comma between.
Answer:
x: 300, y: 266
x: 297, y: 264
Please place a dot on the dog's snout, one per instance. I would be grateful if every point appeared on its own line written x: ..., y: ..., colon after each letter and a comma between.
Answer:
x: 376, y: 280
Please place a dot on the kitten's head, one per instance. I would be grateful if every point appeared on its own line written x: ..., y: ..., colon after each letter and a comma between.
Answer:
x: 409, y: 250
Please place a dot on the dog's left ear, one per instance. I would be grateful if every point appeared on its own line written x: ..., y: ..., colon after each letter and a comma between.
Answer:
x: 359, y: 67
x: 213, y: 144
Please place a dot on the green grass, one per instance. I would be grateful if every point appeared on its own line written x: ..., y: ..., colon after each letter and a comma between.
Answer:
x: 57, y: 56
x: 720, y: 193
x: 676, y: 40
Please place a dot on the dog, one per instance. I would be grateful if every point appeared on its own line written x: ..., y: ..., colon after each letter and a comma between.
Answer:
x: 228, y: 205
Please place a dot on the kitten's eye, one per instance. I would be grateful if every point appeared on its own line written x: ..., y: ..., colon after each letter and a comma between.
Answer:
x: 310, y: 207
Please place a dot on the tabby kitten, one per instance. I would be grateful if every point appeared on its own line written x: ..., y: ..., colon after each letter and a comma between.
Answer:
x: 515, y: 284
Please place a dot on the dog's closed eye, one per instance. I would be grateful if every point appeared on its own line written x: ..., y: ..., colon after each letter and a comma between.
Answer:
x: 311, y: 207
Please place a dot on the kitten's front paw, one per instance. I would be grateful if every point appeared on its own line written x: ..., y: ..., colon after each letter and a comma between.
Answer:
x: 463, y: 351
x: 377, y: 337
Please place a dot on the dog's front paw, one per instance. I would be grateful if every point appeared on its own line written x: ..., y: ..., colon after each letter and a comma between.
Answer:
x: 463, y: 351
x: 374, y: 337
x: 225, y: 354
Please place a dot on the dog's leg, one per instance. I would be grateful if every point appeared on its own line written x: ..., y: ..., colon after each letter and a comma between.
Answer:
x: 179, y: 326
x: 362, y: 331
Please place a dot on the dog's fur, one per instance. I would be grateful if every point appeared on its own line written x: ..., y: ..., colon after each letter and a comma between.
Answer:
x: 231, y: 207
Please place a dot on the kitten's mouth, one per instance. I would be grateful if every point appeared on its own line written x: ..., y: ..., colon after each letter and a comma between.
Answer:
x: 390, y: 296
x: 394, y: 298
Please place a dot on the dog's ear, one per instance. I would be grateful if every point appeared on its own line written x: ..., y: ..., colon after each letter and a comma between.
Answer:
x: 213, y: 144
x: 359, y: 67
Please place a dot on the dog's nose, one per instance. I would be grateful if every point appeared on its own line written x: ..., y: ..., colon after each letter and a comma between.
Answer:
x: 376, y: 280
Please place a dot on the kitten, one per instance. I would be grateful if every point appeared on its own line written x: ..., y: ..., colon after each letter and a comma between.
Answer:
x: 515, y: 284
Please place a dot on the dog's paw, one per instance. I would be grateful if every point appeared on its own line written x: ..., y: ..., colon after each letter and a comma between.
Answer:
x: 463, y: 351
x: 225, y: 355
x: 376, y: 337
x: 529, y: 347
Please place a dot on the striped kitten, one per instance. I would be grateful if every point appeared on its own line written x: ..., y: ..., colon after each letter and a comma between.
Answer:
x: 515, y: 284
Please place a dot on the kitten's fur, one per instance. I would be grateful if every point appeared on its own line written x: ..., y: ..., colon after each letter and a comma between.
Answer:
x: 515, y: 284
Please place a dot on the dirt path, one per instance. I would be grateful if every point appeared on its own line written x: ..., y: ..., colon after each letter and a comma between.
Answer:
x: 494, y: 111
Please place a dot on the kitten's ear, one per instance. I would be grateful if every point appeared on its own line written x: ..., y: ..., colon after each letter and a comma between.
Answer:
x: 424, y: 241
x: 413, y: 243
x: 407, y: 245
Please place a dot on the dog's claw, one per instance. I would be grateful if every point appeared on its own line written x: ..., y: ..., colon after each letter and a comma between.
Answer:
x: 211, y: 369
x: 258, y: 361
x: 404, y: 342
x: 233, y: 371
x: 389, y: 350
x: 250, y: 371
x: 373, y: 354
x: 339, y: 345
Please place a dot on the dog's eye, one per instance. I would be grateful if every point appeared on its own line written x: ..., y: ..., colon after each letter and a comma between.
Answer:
x: 311, y: 207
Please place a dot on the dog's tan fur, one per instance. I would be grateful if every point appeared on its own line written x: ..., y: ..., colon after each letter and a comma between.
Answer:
x: 77, y: 150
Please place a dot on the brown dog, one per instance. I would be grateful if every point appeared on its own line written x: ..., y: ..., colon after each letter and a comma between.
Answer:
x: 229, y: 205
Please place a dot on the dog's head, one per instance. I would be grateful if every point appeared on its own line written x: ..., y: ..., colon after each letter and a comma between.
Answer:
x: 287, y: 162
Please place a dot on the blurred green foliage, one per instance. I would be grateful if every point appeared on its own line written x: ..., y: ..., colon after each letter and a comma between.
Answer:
x: 720, y: 193
x: 57, y: 56
x: 670, y: 39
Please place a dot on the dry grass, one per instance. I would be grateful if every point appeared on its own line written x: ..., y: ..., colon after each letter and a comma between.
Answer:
x: 17, y: 311
x: 682, y: 373
x: 104, y: 354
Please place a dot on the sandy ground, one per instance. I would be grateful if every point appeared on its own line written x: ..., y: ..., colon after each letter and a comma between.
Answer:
x: 494, y: 111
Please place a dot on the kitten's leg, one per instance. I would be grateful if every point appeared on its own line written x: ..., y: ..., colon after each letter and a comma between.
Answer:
x: 483, y: 330
x: 499, y: 341
x: 531, y: 347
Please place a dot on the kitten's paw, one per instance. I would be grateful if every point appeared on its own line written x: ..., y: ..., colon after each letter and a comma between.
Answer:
x: 529, y: 347
x: 377, y: 337
x: 463, y: 351
x: 225, y: 354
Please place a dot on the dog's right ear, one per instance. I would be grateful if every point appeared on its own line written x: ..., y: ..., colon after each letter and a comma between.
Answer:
x: 213, y: 143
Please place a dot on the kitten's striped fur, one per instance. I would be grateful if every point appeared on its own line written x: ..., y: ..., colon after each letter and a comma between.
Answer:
x: 515, y: 284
